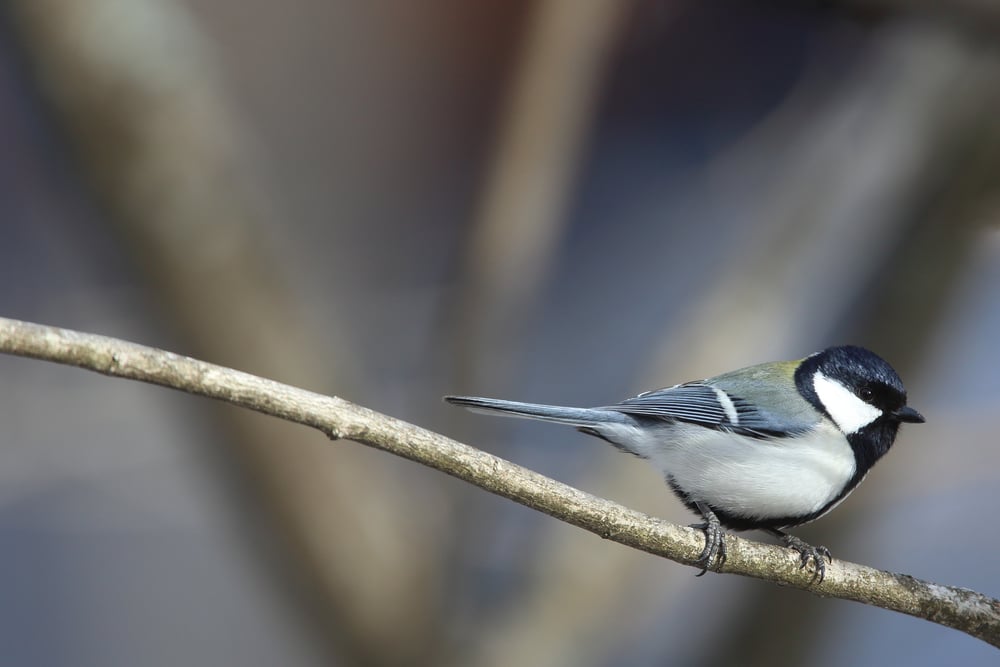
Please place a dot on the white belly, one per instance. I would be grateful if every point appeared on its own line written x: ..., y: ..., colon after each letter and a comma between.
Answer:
x: 748, y: 477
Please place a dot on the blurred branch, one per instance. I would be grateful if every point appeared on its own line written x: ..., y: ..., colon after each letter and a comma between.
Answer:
x: 542, y: 133
x: 140, y: 95
x: 962, y: 609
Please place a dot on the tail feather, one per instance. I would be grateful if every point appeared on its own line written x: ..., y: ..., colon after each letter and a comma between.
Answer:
x: 580, y: 417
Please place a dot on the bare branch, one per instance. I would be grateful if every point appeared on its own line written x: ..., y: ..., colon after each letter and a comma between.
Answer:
x: 965, y: 610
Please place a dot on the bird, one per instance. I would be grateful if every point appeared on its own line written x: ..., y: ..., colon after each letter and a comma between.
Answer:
x: 766, y: 447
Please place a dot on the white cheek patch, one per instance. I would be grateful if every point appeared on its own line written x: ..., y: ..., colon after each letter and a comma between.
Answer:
x: 847, y: 410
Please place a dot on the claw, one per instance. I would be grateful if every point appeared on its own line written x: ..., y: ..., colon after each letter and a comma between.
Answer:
x: 715, y: 541
x: 818, y: 555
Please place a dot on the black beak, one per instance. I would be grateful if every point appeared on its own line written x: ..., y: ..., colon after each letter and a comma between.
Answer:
x: 908, y: 414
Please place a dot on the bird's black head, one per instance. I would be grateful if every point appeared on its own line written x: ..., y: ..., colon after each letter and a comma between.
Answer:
x: 862, y: 394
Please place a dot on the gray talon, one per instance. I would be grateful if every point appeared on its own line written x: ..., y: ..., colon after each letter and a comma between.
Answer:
x: 715, y: 541
x: 807, y: 552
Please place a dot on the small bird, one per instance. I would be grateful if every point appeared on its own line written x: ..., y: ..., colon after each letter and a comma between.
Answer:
x: 766, y: 447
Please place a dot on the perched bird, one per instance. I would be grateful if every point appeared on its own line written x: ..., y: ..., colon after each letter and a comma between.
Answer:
x: 766, y: 447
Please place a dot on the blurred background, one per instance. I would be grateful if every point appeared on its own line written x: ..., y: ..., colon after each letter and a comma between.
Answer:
x: 557, y: 201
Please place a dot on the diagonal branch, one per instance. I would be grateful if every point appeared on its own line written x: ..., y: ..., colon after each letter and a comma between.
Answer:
x: 965, y: 610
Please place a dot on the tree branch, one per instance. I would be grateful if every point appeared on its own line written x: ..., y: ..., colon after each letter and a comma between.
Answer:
x: 965, y: 610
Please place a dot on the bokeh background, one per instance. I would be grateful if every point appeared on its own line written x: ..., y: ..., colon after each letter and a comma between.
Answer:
x: 552, y: 200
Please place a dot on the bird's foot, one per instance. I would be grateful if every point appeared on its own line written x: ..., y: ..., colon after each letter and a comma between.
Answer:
x: 807, y: 552
x: 715, y: 541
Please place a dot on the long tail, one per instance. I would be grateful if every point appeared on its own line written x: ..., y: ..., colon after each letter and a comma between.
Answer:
x: 584, y: 418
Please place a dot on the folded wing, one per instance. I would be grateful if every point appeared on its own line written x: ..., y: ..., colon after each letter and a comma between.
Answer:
x: 707, y: 405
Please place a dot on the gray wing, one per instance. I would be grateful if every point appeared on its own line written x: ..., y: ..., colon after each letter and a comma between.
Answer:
x: 705, y: 405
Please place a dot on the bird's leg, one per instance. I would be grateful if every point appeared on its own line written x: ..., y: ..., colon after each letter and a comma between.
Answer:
x: 715, y: 539
x: 806, y: 552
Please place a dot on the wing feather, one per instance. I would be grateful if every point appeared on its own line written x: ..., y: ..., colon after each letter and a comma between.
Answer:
x: 691, y: 402
x: 699, y: 403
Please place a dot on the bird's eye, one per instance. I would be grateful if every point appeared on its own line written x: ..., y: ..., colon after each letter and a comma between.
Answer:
x: 865, y: 394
